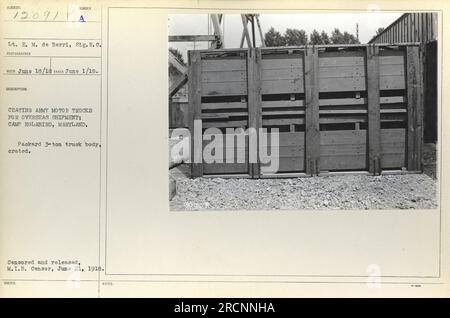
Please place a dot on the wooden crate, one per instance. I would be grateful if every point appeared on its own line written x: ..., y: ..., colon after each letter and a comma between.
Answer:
x: 337, y: 108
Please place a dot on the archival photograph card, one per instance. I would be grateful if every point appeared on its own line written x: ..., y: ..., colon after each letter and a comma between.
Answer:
x: 223, y: 149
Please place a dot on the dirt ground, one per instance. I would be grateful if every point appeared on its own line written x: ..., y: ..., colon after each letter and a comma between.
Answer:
x: 429, y: 160
x: 403, y: 191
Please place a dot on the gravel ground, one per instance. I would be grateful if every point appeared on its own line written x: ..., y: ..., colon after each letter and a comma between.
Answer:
x: 408, y: 191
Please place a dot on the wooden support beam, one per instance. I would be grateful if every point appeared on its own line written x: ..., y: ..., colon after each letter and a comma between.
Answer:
x: 254, y: 103
x: 177, y: 64
x: 245, y: 30
x: 192, y: 38
x: 217, y: 30
x: 252, y: 20
x: 179, y: 83
x: 414, y: 107
x: 194, y: 75
x: 242, y: 40
x: 263, y: 43
x: 312, y: 132
x: 373, y: 112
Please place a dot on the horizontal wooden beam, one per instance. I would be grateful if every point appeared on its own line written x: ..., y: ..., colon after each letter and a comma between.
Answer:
x: 192, y: 38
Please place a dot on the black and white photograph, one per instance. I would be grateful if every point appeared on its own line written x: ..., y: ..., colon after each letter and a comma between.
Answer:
x: 303, y: 111
x: 305, y: 143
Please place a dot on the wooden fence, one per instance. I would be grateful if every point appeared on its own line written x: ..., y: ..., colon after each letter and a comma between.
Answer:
x: 337, y: 108
x: 410, y: 27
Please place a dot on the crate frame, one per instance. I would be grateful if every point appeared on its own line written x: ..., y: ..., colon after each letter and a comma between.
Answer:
x: 413, y: 77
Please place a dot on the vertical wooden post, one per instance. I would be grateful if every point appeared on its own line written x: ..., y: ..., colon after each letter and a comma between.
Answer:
x: 312, y: 131
x: 194, y: 76
x: 415, y: 108
x: 373, y: 111
x: 254, y: 103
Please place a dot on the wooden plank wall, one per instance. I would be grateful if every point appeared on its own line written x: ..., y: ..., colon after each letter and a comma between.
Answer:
x: 356, y: 108
x: 283, y: 106
x: 229, y: 94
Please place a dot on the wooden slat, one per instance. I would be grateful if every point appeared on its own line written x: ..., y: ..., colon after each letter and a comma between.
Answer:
x: 291, y: 152
x: 343, y: 150
x: 415, y: 108
x: 392, y: 161
x: 392, y: 82
x: 357, y: 83
x: 423, y: 27
x: 194, y: 75
x: 295, y: 72
x: 285, y: 151
x: 342, y: 71
x: 218, y: 168
x: 343, y: 111
x: 215, y: 65
x: 373, y: 106
x: 389, y: 57
x: 343, y: 162
x: 235, y: 155
x: 283, y: 103
x: 286, y: 164
x: 359, y: 101
x: 271, y: 54
x: 312, y: 134
x: 254, y: 106
x: 225, y: 124
x: 288, y: 138
x: 230, y: 105
x: 360, y: 111
x: 418, y: 26
x: 393, y: 148
x: 342, y: 137
x: 294, y: 62
x: 223, y: 115
x: 392, y: 69
x: 341, y: 59
x: 283, y: 112
x: 223, y: 76
x: 284, y: 121
x: 282, y: 86
x: 224, y: 89
x: 392, y: 135
x: 343, y: 119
